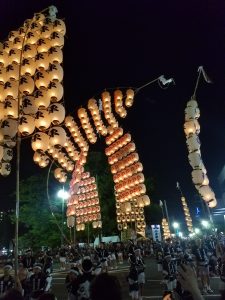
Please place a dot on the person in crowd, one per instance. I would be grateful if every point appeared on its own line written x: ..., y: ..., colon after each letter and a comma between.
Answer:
x: 132, y: 279
x: 38, y: 279
x: 6, y: 281
x: 72, y: 283
x: 140, y: 265
x: 120, y: 253
x: 103, y: 255
x: 28, y: 260
x: 84, y: 280
x: 105, y: 287
x: 169, y: 272
x: 47, y: 262
x: 159, y: 257
x: 199, y: 252
x: 62, y: 258
x: 23, y: 281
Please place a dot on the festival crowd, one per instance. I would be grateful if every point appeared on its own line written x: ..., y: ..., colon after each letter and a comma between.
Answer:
x: 185, y: 267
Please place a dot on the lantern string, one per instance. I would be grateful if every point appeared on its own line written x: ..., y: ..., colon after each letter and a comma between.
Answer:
x: 50, y: 206
x: 202, y: 72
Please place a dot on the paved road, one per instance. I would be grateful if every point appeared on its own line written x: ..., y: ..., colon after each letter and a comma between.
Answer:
x: 152, y: 289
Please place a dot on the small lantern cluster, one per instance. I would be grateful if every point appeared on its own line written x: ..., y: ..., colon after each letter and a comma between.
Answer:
x: 107, y: 109
x: 96, y: 116
x: 83, y: 203
x: 166, y: 229
x: 118, y: 103
x: 199, y: 174
x: 187, y: 215
x: 85, y: 123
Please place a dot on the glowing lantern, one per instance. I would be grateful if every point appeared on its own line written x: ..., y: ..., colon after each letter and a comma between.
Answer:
x: 46, y: 31
x: 29, y: 51
x: 9, y: 128
x: 14, y: 56
x: 129, y: 98
x: 56, y: 113
x: 55, y: 55
x: 192, y: 103
x: 12, y: 35
x: 12, y: 72
x: 55, y: 72
x: 42, y: 99
x: 39, y: 17
x: 206, y: 193
x: 26, y: 85
x: 212, y: 203
x: 55, y: 91
x: 28, y: 66
x: 5, y: 169
x: 57, y: 136
x: 4, y: 59
x: 43, y: 45
x: 42, y: 79
x: 191, y: 113
x: 11, y: 89
x: 27, y: 125
x: 42, y: 120
x: 11, y: 108
x: 146, y: 200
x: 193, y: 143
x: 42, y: 60
x: 3, y: 75
x: 59, y: 26
x: 191, y: 127
x: 40, y: 141
x: 28, y: 103
x: 32, y: 37
x: 70, y: 221
x: 18, y: 42
x: 56, y: 39
x: 198, y: 177
x: 195, y: 160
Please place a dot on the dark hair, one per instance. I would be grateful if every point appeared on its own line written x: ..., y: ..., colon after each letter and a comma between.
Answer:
x: 13, y: 294
x: 105, y: 286
x: 47, y: 296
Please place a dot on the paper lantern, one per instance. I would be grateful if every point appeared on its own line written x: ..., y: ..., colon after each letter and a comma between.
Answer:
x: 70, y: 221
x: 5, y: 169
x: 57, y: 136
x: 7, y: 154
x: 43, y: 45
x: 11, y: 143
x: 59, y: 26
x: 3, y: 75
x: 4, y: 59
x: 12, y: 35
x: 11, y: 89
x: 27, y: 125
x: 42, y: 61
x: 55, y: 91
x: 39, y: 17
x: 11, y: 72
x: 42, y: 120
x: 26, y: 85
x: 198, y: 177
x: 129, y: 98
x: 18, y: 42
x: 42, y: 79
x: 14, y: 56
x: 56, y: 39
x: 29, y: 51
x: 206, y: 193
x: 29, y: 106
x: 191, y: 127
x: 32, y: 37
x: 146, y: 200
x: 42, y: 99
x: 40, y: 141
x: 7, y: 46
x: 56, y: 113
x: 46, y: 31
x: 193, y: 143
x: 191, y: 113
x: 192, y: 103
x: 212, y: 203
x: 1, y: 152
x: 55, y: 72
x: 28, y: 66
x: 55, y: 55
x: 11, y: 108
x: 44, y: 162
x: 9, y: 128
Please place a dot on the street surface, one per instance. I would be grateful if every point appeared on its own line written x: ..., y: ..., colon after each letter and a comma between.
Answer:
x: 152, y: 289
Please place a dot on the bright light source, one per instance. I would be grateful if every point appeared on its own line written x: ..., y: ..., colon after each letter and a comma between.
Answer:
x: 180, y: 234
x: 205, y: 223
x: 176, y: 225
x: 191, y: 234
x: 63, y: 194
x: 197, y: 230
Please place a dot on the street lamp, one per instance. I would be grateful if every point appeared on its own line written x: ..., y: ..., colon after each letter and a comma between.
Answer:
x: 176, y: 226
x: 64, y: 195
x: 205, y: 223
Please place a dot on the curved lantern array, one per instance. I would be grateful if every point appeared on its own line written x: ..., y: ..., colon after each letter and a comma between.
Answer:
x: 199, y: 173
x: 188, y: 218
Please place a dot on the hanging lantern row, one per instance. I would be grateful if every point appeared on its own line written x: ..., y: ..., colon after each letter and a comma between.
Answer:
x: 187, y: 215
x: 166, y: 229
x: 96, y: 116
x: 85, y: 123
x: 60, y: 175
x: 121, y: 142
x: 130, y: 182
x: 125, y: 162
x: 79, y: 200
x: 41, y: 159
x: 71, y: 150
x: 133, y: 192
x: 127, y: 172
x: 107, y: 109
x: 192, y: 130
x: 117, y: 133
x: 120, y: 154
x: 118, y: 104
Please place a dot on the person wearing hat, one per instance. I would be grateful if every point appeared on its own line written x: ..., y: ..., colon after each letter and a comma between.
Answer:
x: 38, y: 279
x: 72, y: 283
x: 28, y: 260
x: 103, y: 256
x: 84, y: 280
x: 169, y: 272
x: 6, y: 281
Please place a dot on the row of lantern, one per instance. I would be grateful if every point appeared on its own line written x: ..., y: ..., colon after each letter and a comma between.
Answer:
x: 166, y: 229
x: 127, y: 172
x: 95, y: 224
x: 118, y: 104
x: 117, y: 133
x: 199, y: 177
x: 96, y: 117
x: 85, y: 123
x: 80, y: 203
x: 6, y: 155
x: 130, y: 182
x: 120, y: 154
x: 187, y: 215
x: 125, y: 162
x: 133, y: 192
x: 87, y: 181
x: 120, y: 143
x: 107, y: 109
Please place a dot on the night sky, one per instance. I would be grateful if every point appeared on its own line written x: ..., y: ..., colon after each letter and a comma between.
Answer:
x: 128, y: 43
